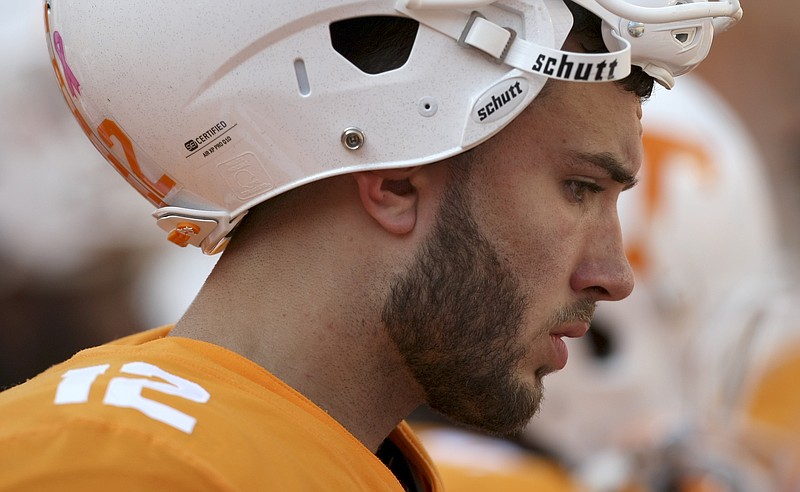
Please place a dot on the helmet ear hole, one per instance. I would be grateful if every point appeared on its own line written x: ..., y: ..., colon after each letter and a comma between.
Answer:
x: 374, y: 44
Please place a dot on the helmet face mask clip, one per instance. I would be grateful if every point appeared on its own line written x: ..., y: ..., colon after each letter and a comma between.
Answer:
x: 211, y: 122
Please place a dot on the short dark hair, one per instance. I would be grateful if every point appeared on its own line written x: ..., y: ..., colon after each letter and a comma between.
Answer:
x: 587, y: 27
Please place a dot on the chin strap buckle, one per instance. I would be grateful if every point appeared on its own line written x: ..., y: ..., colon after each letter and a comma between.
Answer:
x: 206, y: 229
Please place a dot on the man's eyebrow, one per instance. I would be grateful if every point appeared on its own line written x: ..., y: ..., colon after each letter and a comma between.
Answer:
x: 610, y: 164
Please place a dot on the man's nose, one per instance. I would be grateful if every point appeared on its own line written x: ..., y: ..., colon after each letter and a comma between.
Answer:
x: 604, y: 271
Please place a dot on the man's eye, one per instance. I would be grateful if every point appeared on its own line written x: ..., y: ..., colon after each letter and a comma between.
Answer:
x: 577, y: 190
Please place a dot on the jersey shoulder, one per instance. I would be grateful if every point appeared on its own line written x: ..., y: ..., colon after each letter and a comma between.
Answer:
x: 156, y: 405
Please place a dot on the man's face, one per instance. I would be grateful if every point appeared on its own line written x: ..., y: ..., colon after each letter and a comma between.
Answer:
x: 527, y: 240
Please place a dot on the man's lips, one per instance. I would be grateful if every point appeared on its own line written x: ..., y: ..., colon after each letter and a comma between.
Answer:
x: 571, y: 330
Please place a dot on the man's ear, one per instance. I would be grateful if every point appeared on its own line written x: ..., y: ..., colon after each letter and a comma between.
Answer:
x: 389, y: 196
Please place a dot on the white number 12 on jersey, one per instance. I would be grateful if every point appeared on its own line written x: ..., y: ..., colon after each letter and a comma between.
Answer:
x: 126, y: 392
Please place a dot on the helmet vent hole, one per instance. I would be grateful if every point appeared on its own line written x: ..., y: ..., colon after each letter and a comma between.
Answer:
x: 375, y: 44
x: 302, y: 77
x: 684, y: 37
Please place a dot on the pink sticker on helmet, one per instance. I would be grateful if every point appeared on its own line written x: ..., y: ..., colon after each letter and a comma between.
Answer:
x: 72, y: 81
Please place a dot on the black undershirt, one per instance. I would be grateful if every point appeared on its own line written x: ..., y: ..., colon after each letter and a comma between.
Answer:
x: 391, y: 456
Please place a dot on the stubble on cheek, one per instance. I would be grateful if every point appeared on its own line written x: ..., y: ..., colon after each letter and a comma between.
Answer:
x: 456, y: 317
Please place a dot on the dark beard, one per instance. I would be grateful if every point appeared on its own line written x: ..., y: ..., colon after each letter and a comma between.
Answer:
x: 456, y: 317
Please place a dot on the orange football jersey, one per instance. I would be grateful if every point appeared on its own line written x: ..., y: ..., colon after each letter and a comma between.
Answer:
x: 151, y: 412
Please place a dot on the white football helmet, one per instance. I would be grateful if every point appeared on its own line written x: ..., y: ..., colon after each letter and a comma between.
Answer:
x: 210, y: 109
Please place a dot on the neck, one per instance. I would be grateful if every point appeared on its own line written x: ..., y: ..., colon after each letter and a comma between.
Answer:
x: 313, y: 320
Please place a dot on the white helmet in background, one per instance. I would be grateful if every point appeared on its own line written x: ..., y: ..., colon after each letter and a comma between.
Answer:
x: 701, y: 234
x: 209, y: 109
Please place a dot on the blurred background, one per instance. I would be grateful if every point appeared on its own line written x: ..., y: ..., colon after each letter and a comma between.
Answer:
x: 698, y: 366
x: 67, y: 280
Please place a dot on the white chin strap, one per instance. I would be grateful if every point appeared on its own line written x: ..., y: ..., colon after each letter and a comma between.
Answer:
x: 475, y: 31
